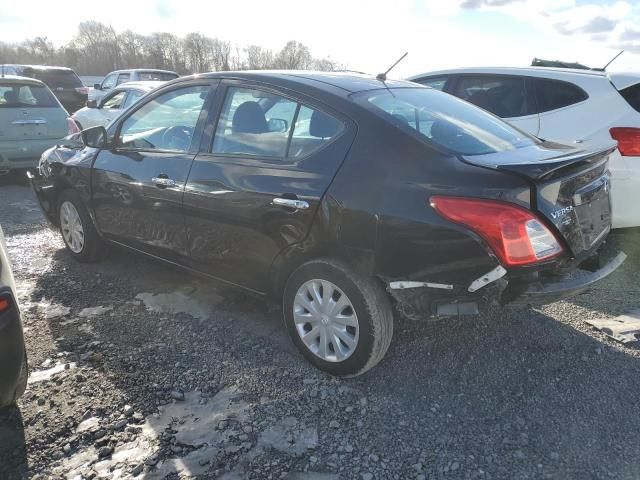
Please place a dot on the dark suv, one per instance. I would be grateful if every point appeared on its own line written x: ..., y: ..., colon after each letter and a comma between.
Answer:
x: 341, y: 195
x: 63, y: 82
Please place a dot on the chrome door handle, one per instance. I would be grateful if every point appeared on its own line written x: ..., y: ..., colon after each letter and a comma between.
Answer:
x: 164, y: 182
x: 288, y: 202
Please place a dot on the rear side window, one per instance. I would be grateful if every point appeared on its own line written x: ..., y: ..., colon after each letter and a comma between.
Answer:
x: 160, y: 76
x: 254, y: 122
x: 632, y: 96
x: 123, y: 77
x: 554, y: 94
x: 24, y: 96
x: 434, y: 82
x: 446, y: 121
x: 55, y: 78
x: 505, y: 97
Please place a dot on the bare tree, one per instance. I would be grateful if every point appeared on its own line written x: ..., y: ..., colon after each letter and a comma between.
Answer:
x: 97, y: 49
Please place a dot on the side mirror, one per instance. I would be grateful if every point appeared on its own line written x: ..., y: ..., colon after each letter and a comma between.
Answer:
x: 97, y: 86
x: 92, y: 104
x: 73, y: 141
x: 95, y: 137
x: 278, y: 125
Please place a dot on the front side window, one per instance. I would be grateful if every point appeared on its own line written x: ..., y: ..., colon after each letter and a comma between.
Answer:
x: 133, y: 97
x: 445, y: 120
x: 438, y: 83
x: 503, y: 96
x: 109, y: 82
x: 166, y: 122
x: 123, y: 77
x: 554, y: 94
x: 20, y: 95
x: 254, y: 122
x: 114, y: 101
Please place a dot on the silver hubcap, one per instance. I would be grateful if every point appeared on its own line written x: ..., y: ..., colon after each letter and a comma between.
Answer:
x: 71, y: 226
x: 326, y: 320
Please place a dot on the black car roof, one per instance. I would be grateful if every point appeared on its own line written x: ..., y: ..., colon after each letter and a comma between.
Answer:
x: 346, y: 81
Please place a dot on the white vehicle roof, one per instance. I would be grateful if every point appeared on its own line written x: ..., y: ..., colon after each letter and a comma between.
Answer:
x: 619, y: 80
x: 19, y: 79
x: 146, y: 85
x: 131, y: 70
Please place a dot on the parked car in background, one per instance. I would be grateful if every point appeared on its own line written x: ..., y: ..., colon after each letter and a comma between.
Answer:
x: 339, y: 195
x: 13, y: 355
x: 31, y: 120
x: 113, y: 104
x: 118, y: 77
x: 584, y: 107
x: 63, y: 82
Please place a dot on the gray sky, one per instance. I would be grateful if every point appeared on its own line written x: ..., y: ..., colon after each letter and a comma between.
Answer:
x: 368, y: 35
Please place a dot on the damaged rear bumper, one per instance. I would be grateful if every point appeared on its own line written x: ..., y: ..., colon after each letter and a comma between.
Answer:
x: 547, y: 292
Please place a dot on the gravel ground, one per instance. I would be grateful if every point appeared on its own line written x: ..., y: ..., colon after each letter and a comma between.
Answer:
x: 141, y: 370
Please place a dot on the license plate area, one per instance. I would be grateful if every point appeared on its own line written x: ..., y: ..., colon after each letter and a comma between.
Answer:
x: 592, y: 207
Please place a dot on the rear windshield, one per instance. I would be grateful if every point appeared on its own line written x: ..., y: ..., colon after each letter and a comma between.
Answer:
x: 21, y: 95
x: 55, y: 78
x: 446, y: 121
x: 161, y: 76
x: 632, y: 96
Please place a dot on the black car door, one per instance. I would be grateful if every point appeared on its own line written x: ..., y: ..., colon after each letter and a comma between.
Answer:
x: 138, y: 184
x: 258, y: 180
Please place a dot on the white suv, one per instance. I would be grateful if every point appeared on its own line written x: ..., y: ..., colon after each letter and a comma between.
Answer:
x: 565, y: 105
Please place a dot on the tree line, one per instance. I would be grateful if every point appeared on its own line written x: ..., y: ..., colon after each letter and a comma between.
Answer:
x: 97, y: 49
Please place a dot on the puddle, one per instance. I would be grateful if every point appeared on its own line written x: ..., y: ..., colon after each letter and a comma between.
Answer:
x: 199, y: 302
x: 43, y: 375
x: 94, y: 311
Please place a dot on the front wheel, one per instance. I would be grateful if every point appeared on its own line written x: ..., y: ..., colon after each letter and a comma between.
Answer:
x: 341, y: 321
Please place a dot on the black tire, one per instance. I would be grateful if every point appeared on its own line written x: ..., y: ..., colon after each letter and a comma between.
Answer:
x: 370, y: 304
x: 94, y: 247
x: 22, y: 382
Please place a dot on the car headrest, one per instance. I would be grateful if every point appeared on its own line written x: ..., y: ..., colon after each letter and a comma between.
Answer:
x: 249, y: 118
x: 322, y: 125
x: 11, y: 97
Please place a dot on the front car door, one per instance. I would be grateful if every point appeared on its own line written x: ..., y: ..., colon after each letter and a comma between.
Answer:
x: 255, y: 187
x: 503, y: 95
x: 138, y: 184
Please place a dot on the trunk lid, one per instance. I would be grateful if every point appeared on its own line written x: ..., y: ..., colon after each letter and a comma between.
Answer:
x: 570, y: 188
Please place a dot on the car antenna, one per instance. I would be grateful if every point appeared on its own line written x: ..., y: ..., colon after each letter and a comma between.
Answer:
x: 604, y: 69
x: 383, y: 76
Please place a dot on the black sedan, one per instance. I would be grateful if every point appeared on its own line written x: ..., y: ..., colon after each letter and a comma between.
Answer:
x: 341, y: 194
x: 13, y: 356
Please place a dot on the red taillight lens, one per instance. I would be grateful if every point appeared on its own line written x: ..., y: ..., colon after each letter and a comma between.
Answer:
x: 628, y: 140
x: 72, y: 126
x: 83, y: 90
x: 515, y: 234
x: 5, y: 304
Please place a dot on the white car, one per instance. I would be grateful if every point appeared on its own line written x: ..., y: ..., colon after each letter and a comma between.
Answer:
x: 102, y: 112
x: 564, y: 105
x: 114, y: 79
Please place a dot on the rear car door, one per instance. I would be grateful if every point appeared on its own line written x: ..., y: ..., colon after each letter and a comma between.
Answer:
x: 138, y: 184
x: 255, y: 186
x: 505, y: 96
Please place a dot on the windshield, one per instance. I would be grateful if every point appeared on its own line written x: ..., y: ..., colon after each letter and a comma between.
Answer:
x: 55, y: 78
x: 22, y: 95
x: 446, y: 121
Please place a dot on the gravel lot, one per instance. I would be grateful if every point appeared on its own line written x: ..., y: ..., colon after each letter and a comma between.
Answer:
x: 141, y: 370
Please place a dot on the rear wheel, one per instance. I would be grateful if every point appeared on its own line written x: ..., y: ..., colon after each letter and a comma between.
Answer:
x: 22, y: 381
x: 340, y: 320
x: 79, y: 234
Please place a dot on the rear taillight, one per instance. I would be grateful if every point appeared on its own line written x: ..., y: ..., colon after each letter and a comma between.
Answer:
x: 628, y: 140
x: 515, y: 234
x: 83, y: 90
x: 72, y: 126
x: 5, y: 304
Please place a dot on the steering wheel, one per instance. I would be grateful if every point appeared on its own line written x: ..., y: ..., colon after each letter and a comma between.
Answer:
x: 177, y: 137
